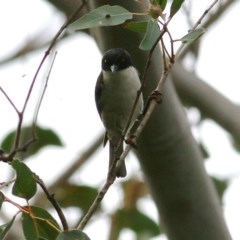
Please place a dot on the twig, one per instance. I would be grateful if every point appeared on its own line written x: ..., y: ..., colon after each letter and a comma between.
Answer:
x: 53, y: 201
x: 9, y: 100
x: 35, y: 117
x: 6, y: 184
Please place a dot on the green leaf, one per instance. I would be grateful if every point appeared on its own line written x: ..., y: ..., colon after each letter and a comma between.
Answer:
x: 72, y: 235
x: 176, y: 5
x: 142, y: 224
x: 235, y: 144
x: 161, y: 3
x: 5, y: 228
x: 2, y: 198
x: 79, y: 196
x: 39, y: 224
x: 25, y: 185
x: 220, y: 185
x: 45, y: 137
x: 137, y: 26
x: 204, y: 151
x: 193, y: 35
x: 103, y: 16
x: 151, y: 35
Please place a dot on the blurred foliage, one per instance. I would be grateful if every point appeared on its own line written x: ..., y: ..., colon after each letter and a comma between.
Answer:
x: 71, y: 195
x: 45, y: 137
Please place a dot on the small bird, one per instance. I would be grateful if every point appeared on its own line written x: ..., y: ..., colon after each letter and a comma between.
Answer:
x: 115, y: 93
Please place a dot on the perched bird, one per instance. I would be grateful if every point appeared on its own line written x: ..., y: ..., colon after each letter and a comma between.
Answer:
x: 115, y: 93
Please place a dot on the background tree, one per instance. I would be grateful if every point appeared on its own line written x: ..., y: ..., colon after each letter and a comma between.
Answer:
x: 170, y: 157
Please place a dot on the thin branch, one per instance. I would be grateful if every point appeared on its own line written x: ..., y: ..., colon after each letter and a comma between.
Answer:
x: 43, y: 92
x: 53, y: 201
x: 9, y: 100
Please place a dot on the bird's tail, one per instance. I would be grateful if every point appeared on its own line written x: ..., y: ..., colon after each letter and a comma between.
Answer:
x: 115, y: 153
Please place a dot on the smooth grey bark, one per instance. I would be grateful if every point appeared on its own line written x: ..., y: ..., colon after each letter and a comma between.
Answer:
x: 170, y: 158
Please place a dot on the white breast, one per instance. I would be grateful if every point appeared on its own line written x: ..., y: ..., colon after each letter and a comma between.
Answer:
x: 118, y: 95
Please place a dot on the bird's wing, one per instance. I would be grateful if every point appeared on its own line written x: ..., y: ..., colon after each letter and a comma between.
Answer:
x: 98, y: 92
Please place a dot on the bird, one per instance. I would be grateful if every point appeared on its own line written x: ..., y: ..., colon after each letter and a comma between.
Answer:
x: 115, y: 93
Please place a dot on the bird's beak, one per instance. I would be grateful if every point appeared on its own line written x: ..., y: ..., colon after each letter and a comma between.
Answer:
x: 114, y: 68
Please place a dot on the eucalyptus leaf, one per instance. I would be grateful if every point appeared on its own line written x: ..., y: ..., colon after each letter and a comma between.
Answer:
x: 5, y: 228
x: 72, y: 235
x: 45, y: 137
x: 25, y: 185
x: 176, y: 5
x: 2, y: 198
x: 103, y: 16
x: 140, y: 223
x: 140, y: 27
x: 193, y: 35
x: 39, y: 224
x: 151, y: 35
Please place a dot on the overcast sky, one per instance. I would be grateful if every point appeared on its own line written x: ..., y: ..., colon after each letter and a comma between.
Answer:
x: 69, y: 97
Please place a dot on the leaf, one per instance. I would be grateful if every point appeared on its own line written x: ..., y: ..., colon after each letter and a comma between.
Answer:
x: 5, y: 228
x: 45, y: 137
x: 141, y: 225
x: 74, y: 195
x: 39, y: 224
x: 72, y: 235
x: 162, y: 3
x: 137, y: 26
x: 103, y: 16
x: 151, y: 35
x: 204, y: 151
x: 220, y: 185
x: 2, y: 198
x: 25, y: 185
x: 193, y: 35
x: 176, y: 5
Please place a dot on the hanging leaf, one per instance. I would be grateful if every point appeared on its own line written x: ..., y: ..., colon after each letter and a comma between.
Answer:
x: 161, y: 3
x: 75, y: 195
x: 72, y: 235
x: 137, y: 26
x: 103, y: 16
x: 2, y: 198
x: 193, y: 35
x: 39, y: 224
x: 142, y: 224
x: 220, y: 185
x: 5, y: 228
x: 25, y: 185
x: 204, y: 150
x: 45, y: 137
x: 151, y: 35
x: 176, y: 5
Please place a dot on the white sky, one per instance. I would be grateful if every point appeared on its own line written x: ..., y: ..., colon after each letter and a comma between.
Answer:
x: 69, y: 108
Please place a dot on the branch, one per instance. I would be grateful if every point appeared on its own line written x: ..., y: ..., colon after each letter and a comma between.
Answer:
x: 53, y: 201
x: 195, y: 92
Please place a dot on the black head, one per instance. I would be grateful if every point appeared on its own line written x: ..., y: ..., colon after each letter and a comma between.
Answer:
x: 116, y: 59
